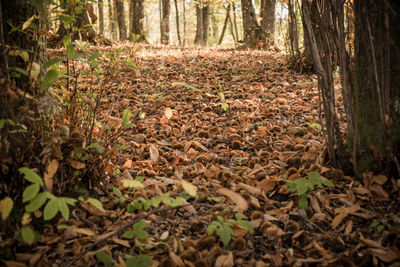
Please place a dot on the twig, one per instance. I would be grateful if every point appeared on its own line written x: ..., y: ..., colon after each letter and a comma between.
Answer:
x: 137, y: 219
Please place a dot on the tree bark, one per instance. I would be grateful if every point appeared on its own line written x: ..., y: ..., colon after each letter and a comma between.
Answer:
x: 268, y: 18
x: 120, y: 16
x: 138, y: 19
x: 184, y: 23
x: 165, y: 21
x: 199, y: 24
x: 100, y: 6
x: 214, y: 23
x: 112, y: 25
x: 252, y: 33
x: 178, y: 32
x: 206, y: 24
x: 377, y: 85
x: 293, y: 34
x: 235, y: 21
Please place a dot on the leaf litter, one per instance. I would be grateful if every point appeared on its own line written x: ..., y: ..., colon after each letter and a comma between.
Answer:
x: 222, y: 132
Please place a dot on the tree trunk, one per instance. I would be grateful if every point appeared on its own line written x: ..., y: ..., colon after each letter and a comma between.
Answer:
x: 214, y: 23
x: 17, y: 12
x: 235, y: 21
x: 268, y: 19
x: 165, y: 21
x: 199, y: 24
x: 184, y: 22
x: 137, y: 19
x: 293, y: 35
x: 221, y: 38
x: 112, y: 25
x: 206, y: 24
x: 120, y: 15
x: 178, y: 32
x: 252, y: 33
x: 100, y: 6
x: 377, y: 85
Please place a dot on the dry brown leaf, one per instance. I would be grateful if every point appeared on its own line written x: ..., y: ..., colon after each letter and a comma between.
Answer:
x: 252, y: 190
x: 175, y: 259
x: 84, y: 231
x: 241, y: 203
x: 127, y: 164
x: 77, y: 164
x: 154, y: 154
x: 385, y: 254
x: 14, y: 264
x: 189, y: 188
x: 224, y: 260
x: 121, y: 242
x: 168, y: 113
x: 343, y: 212
x: 48, y: 175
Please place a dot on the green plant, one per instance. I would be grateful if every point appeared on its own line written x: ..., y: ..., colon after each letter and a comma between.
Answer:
x: 137, y: 230
x: 18, y: 127
x: 223, y: 227
x: 302, y: 186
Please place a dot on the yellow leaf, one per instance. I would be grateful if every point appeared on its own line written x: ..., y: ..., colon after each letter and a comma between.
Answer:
x: 28, y: 22
x: 84, y: 231
x: 6, y: 205
x: 26, y: 218
x: 168, y: 113
x: 48, y: 175
x: 189, y: 188
x: 127, y: 183
x: 241, y: 203
x: 34, y: 71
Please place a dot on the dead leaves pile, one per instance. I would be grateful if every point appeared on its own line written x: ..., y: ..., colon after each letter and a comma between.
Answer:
x: 233, y: 161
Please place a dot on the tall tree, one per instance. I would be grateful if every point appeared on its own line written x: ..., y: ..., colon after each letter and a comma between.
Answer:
x: 184, y: 22
x: 228, y: 10
x: 199, y: 24
x: 206, y: 24
x: 214, y: 22
x: 293, y: 33
x: 178, y: 32
x: 268, y: 15
x: 100, y: 6
x: 120, y: 15
x: 252, y: 32
x: 165, y: 8
x: 377, y: 85
x: 111, y: 17
x: 137, y: 19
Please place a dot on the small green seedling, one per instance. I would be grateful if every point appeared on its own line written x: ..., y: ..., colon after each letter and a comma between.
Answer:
x: 224, y: 105
x: 301, y: 186
x: 223, y: 227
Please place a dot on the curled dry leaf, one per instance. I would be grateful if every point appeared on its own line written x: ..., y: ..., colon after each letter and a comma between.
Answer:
x: 241, y: 203
x: 225, y: 260
x: 154, y: 154
x: 48, y: 175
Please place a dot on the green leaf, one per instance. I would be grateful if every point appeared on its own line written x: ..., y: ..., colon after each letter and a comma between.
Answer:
x: 138, y: 228
x: 50, y: 210
x: 70, y: 201
x: 97, y: 146
x: 6, y: 206
x: 62, y: 227
x: 380, y: 228
x: 139, y: 261
x: 63, y: 208
x: 225, y: 233
x: 36, y: 203
x: 96, y: 203
x: 50, y: 77
x: 30, y: 192
x: 155, y: 201
x: 28, y: 235
x: 2, y: 122
x: 301, y: 188
x: 67, y: 40
x: 117, y: 192
x: 128, y: 234
x: 327, y: 183
x: 70, y: 51
x: 129, y: 183
x: 94, y: 56
x: 221, y: 96
x: 104, y: 258
x: 31, y: 176
x: 211, y: 228
x: 52, y: 62
x: 315, y: 178
x: 303, y: 201
x: 126, y: 116
x: 225, y: 106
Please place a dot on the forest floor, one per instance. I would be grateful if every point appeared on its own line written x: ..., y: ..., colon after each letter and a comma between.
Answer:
x: 222, y: 132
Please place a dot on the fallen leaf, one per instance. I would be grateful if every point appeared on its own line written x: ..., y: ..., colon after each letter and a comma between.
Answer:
x: 241, y: 203
x: 77, y: 164
x: 224, y: 261
x: 154, y: 154
x: 189, y: 188
x: 48, y: 175
x: 6, y: 205
x: 168, y: 113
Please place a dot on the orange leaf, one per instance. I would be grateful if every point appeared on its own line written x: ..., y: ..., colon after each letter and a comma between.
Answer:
x: 241, y: 203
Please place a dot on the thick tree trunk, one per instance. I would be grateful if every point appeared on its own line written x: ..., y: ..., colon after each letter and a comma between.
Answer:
x: 293, y: 34
x: 165, y: 21
x: 100, y: 6
x: 252, y: 33
x: 178, y: 32
x: 199, y: 24
x: 113, y: 24
x: 138, y: 19
x: 377, y: 85
x: 17, y: 12
x: 206, y: 24
x: 120, y: 16
x: 268, y: 18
